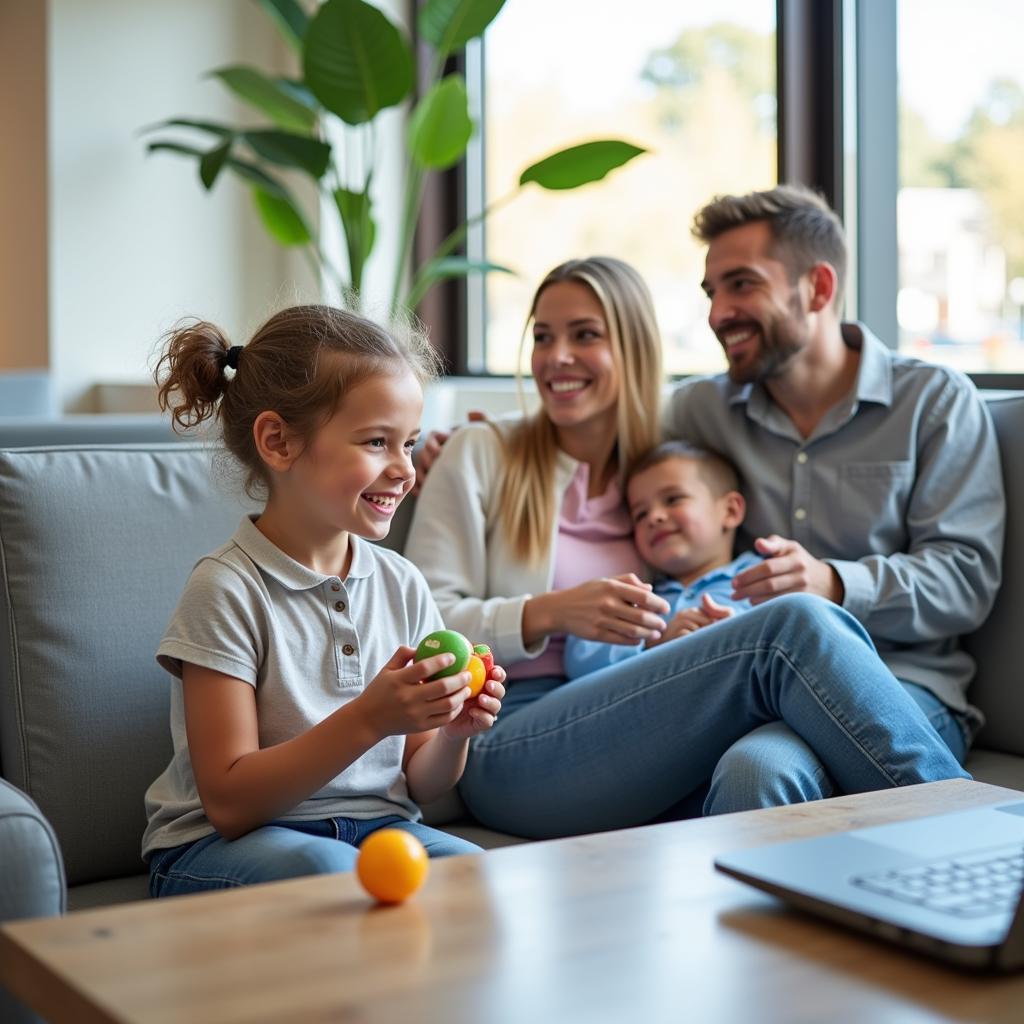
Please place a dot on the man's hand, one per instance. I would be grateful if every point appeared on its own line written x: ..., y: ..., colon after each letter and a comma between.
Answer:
x: 428, y: 454
x: 788, y: 568
x: 689, y: 620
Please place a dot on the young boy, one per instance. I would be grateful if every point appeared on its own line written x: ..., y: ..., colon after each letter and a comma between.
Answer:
x: 686, y: 506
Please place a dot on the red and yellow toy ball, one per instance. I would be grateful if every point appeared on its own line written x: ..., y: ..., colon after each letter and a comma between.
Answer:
x: 483, y: 652
x: 391, y: 865
x: 445, y: 641
x: 478, y: 675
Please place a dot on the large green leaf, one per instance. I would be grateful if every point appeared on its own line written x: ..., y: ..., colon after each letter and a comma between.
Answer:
x: 243, y: 168
x: 356, y: 62
x: 297, y: 91
x: 440, y: 126
x: 290, y: 17
x: 449, y: 24
x: 281, y: 218
x: 459, y: 266
x: 579, y: 165
x: 290, y: 150
x: 212, y: 163
x: 213, y: 127
x: 169, y: 146
x: 259, y: 91
x: 440, y: 268
x: 360, y: 231
x: 256, y: 176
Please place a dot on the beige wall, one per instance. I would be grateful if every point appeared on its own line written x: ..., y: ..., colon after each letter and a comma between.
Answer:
x: 23, y: 193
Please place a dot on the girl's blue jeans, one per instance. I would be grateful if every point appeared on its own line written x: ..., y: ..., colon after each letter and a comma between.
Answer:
x: 282, y: 849
x: 625, y: 745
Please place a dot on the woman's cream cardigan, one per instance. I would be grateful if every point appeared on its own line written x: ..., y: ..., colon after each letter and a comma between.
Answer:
x: 457, y: 542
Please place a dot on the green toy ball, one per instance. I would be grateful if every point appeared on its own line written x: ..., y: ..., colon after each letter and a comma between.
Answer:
x: 446, y: 641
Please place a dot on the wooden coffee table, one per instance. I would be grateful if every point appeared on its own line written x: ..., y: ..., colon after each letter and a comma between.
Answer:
x: 632, y: 926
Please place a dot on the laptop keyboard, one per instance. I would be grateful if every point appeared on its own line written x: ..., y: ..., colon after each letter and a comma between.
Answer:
x: 970, y: 885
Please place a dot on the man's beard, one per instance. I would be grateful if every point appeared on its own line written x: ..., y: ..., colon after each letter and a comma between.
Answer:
x: 782, y: 340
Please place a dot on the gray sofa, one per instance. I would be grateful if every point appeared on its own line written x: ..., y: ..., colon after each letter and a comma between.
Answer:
x: 96, y: 541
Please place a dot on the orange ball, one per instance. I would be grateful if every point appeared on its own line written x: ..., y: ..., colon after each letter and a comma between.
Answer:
x: 391, y: 865
x: 477, y: 675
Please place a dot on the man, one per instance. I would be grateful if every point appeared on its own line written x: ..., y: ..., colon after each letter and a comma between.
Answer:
x: 872, y: 479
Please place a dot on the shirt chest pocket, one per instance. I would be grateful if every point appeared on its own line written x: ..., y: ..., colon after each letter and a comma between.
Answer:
x: 873, y: 500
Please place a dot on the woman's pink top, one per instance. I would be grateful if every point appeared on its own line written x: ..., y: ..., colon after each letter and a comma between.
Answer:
x: 595, y: 538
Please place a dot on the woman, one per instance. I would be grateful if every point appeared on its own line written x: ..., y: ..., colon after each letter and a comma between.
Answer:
x: 522, y: 535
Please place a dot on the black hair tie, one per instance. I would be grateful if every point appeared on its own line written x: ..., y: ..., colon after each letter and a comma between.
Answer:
x: 231, y: 356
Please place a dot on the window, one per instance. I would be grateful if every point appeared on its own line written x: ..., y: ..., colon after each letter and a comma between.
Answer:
x: 960, y: 205
x: 698, y: 90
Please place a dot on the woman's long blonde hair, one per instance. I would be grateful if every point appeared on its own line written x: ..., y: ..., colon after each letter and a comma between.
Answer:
x: 526, y: 499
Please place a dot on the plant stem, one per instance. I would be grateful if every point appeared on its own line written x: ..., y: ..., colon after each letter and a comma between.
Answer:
x: 421, y: 282
x: 414, y: 186
x: 413, y: 198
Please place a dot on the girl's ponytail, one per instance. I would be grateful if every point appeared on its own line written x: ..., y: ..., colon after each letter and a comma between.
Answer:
x: 301, y: 363
x: 191, y: 371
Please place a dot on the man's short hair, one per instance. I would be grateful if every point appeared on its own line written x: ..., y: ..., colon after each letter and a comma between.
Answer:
x: 715, y: 470
x: 804, y: 228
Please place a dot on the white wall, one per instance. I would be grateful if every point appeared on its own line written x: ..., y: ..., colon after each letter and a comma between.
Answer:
x: 135, y: 242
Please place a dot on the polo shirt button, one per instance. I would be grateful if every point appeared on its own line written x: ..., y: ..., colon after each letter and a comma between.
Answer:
x: 800, y: 513
x: 348, y: 649
x: 339, y: 606
x: 335, y: 586
x: 802, y: 458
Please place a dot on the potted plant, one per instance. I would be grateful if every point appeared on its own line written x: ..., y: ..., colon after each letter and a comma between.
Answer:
x: 354, y: 63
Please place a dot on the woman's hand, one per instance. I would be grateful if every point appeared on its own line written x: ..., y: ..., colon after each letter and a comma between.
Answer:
x: 400, y: 701
x: 478, y: 715
x: 617, y: 609
x: 689, y: 620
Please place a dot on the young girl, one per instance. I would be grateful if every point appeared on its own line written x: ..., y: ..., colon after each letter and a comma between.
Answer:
x: 300, y: 724
x: 522, y: 533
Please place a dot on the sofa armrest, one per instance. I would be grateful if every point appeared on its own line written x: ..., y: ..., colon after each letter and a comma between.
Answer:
x: 32, y: 881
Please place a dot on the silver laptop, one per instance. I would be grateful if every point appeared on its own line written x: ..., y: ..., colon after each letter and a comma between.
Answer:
x: 948, y: 885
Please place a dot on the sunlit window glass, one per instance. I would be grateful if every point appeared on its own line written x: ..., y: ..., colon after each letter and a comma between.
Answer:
x: 961, y: 200
x: 693, y: 85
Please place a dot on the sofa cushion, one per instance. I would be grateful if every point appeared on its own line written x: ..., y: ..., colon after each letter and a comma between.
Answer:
x: 95, y: 546
x: 998, y: 646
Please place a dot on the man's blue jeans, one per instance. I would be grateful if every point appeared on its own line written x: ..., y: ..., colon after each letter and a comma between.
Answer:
x: 773, y: 766
x: 282, y: 849
x: 621, y: 746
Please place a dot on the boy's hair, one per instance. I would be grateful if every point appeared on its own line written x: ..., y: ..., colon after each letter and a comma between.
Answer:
x: 804, y: 228
x: 715, y: 470
x: 301, y: 363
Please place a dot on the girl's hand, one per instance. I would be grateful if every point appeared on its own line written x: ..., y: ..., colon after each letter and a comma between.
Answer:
x: 478, y: 715
x: 616, y: 609
x: 399, y: 700
x: 689, y: 620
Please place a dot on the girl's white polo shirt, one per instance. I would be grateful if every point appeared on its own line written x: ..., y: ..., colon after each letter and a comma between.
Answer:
x: 308, y: 643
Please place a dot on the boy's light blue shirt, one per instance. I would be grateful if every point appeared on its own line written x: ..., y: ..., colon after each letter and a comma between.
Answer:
x: 584, y: 656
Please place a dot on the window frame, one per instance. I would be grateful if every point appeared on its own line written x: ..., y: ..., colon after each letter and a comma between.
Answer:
x: 826, y: 90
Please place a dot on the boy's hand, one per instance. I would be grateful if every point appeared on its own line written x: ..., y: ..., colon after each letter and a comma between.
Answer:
x: 689, y: 620
x: 478, y: 715
x: 788, y: 568
x: 400, y: 701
